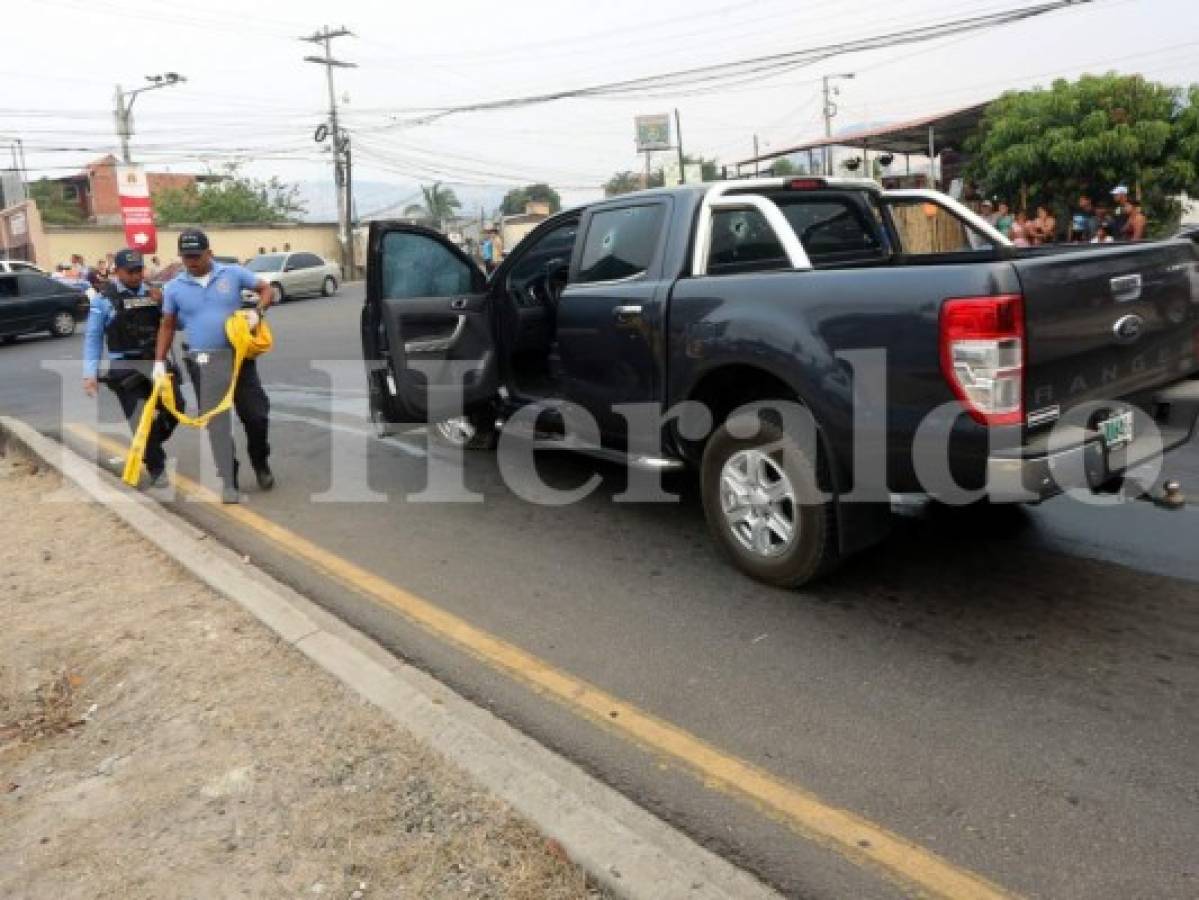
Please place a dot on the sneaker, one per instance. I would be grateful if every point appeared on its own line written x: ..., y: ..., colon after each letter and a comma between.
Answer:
x: 159, y: 479
x: 266, y: 479
x: 230, y: 494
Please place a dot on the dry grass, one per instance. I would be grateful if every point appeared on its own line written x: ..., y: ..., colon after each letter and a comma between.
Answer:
x: 47, y: 710
x: 217, y: 760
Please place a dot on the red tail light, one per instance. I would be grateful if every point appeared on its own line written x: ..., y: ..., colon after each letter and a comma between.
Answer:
x: 982, y: 356
x: 806, y: 184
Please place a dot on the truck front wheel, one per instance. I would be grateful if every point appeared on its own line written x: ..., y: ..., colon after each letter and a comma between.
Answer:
x: 763, y: 506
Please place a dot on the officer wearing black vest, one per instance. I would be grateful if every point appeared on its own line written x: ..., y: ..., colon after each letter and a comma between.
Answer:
x: 125, y: 315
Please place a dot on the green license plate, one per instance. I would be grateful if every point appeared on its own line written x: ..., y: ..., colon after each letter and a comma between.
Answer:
x: 1117, y: 430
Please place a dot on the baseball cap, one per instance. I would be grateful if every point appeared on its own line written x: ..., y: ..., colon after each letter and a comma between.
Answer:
x: 192, y: 240
x: 128, y: 259
x: 1119, y: 189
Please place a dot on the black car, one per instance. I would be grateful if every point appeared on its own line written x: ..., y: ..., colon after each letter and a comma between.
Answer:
x: 30, y: 302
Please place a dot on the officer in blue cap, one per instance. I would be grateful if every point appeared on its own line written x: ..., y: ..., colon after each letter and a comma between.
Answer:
x: 125, y: 314
x: 200, y: 299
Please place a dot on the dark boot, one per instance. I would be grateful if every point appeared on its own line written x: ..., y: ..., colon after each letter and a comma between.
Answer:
x: 266, y: 478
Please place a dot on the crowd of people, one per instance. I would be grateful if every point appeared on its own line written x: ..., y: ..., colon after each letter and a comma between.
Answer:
x: 78, y: 274
x: 1123, y: 219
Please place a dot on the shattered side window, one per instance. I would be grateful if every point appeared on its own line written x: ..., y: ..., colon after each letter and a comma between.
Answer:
x: 416, y: 265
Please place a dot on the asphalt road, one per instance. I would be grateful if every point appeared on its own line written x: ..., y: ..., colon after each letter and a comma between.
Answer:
x: 1018, y: 697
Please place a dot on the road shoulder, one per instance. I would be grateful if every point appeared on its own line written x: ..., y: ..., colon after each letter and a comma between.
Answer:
x: 622, y: 846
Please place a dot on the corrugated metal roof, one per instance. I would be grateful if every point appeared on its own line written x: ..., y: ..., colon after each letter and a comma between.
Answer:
x: 949, y: 128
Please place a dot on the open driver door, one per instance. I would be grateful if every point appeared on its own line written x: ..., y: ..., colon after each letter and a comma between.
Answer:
x: 428, y: 328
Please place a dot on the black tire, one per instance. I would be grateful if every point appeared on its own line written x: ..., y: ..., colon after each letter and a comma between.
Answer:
x: 63, y: 324
x: 812, y: 548
x: 280, y: 294
x: 8, y: 339
x: 329, y: 288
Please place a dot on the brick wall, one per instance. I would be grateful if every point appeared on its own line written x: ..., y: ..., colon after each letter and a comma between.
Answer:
x: 104, y: 204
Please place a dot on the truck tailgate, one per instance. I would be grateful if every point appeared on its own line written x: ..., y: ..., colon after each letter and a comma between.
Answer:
x: 1106, y: 322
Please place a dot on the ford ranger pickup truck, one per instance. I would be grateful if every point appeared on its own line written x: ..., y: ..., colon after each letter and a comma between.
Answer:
x: 1024, y: 367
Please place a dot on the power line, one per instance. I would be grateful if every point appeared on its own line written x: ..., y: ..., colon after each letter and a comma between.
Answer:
x: 763, y: 66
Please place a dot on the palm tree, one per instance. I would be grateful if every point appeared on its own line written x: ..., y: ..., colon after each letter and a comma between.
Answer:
x: 440, y: 203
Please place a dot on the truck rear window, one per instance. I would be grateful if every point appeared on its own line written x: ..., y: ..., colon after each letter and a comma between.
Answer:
x: 832, y: 231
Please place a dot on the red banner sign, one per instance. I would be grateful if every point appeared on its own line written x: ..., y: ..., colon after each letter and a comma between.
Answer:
x: 134, y: 191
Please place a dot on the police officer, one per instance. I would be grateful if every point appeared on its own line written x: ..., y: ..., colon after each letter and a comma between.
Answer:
x: 200, y: 299
x: 126, y: 315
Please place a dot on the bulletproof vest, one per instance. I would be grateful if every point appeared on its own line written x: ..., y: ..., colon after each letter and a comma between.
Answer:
x: 133, y: 330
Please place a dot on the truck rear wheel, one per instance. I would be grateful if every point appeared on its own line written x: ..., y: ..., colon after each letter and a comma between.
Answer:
x: 761, y: 501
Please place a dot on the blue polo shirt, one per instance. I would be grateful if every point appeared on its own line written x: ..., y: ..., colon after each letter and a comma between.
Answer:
x: 202, y: 311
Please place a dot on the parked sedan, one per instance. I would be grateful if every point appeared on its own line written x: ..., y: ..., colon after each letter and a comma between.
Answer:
x: 31, y: 302
x: 297, y: 274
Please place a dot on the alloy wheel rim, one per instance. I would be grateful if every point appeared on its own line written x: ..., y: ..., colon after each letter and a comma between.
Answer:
x: 458, y: 430
x: 64, y: 323
x: 759, y: 504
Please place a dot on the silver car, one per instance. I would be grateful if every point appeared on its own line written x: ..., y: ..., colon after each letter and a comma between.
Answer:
x: 297, y: 274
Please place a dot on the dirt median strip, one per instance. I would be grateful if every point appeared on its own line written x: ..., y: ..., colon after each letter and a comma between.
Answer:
x: 156, y: 740
x: 624, y: 848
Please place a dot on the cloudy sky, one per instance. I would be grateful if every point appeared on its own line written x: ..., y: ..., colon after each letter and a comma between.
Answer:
x: 250, y: 97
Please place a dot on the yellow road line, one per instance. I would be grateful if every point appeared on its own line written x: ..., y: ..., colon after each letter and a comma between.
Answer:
x: 854, y: 837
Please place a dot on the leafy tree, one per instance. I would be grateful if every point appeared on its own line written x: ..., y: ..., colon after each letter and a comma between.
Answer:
x: 626, y: 182
x: 1084, y: 137
x: 233, y: 199
x: 783, y: 166
x: 439, y: 202
x: 55, y: 210
x: 517, y: 198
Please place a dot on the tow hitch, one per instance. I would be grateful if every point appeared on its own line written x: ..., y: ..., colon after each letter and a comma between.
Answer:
x: 1168, y: 496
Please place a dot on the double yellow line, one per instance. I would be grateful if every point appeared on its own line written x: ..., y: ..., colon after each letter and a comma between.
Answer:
x: 854, y: 837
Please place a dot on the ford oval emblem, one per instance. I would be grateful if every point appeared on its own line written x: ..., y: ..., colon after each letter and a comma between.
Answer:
x: 1128, y: 329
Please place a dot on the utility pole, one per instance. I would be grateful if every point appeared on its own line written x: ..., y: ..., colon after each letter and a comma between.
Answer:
x: 830, y: 110
x: 123, y: 108
x: 678, y: 139
x: 341, y: 144
x: 755, y: 154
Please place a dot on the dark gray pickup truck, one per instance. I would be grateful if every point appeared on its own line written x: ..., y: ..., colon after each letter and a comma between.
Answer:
x: 930, y: 357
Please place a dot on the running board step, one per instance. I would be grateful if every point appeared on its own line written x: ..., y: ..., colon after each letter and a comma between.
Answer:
x: 556, y: 441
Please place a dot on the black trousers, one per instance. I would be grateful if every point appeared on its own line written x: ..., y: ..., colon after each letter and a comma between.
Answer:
x: 132, y: 388
x: 211, y: 372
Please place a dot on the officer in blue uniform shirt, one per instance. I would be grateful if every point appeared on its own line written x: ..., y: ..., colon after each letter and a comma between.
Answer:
x: 200, y: 299
x: 125, y: 315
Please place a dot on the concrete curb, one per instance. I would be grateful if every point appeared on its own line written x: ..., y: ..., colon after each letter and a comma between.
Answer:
x: 625, y: 848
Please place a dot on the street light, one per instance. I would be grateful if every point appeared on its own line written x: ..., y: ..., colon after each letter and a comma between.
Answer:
x: 830, y: 110
x: 124, y: 109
